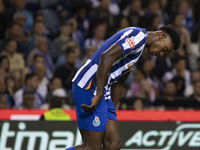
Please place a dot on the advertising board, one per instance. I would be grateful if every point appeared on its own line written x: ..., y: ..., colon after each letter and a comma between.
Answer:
x: 44, y: 135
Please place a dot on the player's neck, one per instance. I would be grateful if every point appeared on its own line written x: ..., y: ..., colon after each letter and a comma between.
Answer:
x: 152, y: 36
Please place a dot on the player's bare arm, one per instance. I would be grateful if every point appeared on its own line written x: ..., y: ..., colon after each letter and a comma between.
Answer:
x: 105, y: 64
x: 117, y: 88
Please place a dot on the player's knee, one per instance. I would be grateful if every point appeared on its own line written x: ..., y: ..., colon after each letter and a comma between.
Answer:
x: 92, y: 147
x: 114, y: 145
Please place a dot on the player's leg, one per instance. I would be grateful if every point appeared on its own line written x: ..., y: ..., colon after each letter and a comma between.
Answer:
x: 112, y: 140
x: 92, y: 140
x: 91, y: 124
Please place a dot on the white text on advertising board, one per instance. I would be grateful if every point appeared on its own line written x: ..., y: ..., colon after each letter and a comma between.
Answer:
x: 191, y: 137
x: 58, y: 138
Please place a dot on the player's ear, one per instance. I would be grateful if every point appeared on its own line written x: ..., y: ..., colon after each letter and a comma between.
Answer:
x: 162, y: 35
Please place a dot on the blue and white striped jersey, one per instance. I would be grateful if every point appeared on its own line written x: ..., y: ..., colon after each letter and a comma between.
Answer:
x: 132, y: 41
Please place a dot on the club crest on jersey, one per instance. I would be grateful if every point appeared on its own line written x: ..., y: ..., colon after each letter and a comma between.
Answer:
x: 130, y: 42
x: 96, y: 122
x: 131, y: 65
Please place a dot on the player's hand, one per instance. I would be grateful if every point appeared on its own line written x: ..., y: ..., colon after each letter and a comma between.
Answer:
x: 94, y: 103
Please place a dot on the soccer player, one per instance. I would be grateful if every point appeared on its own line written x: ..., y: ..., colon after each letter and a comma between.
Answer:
x: 98, y: 84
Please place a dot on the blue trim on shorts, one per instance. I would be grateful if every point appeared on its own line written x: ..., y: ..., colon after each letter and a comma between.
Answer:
x: 95, y: 120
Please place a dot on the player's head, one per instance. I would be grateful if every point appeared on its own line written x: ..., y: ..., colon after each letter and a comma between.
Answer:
x: 167, y: 39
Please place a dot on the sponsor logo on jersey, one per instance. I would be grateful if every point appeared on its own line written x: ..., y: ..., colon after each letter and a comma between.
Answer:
x: 131, y: 65
x: 130, y: 42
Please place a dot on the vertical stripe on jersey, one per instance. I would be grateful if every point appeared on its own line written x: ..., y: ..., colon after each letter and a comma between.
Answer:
x: 116, y: 71
x: 123, y: 62
x: 87, y: 62
x: 83, y: 71
x: 87, y: 76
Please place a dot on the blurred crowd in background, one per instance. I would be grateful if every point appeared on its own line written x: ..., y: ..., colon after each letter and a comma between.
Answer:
x: 44, y: 42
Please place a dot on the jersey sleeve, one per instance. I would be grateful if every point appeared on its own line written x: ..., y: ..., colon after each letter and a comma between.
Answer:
x: 131, y: 40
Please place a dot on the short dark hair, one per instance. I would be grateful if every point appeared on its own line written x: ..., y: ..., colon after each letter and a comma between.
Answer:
x: 165, y: 84
x: 29, y: 76
x: 34, y: 24
x: 27, y: 93
x: 10, y: 25
x: 65, y: 23
x: 98, y: 23
x: 177, y: 79
x: 175, y: 36
x: 2, y: 57
x: 36, y: 56
x: 7, y: 41
x: 52, y: 79
x: 178, y: 59
x: 36, y: 15
x: 69, y: 50
x: 55, y: 102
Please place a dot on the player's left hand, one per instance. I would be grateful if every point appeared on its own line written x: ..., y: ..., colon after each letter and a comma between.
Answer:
x: 94, y: 103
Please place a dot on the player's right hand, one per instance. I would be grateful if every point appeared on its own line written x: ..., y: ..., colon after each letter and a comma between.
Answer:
x: 94, y: 103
